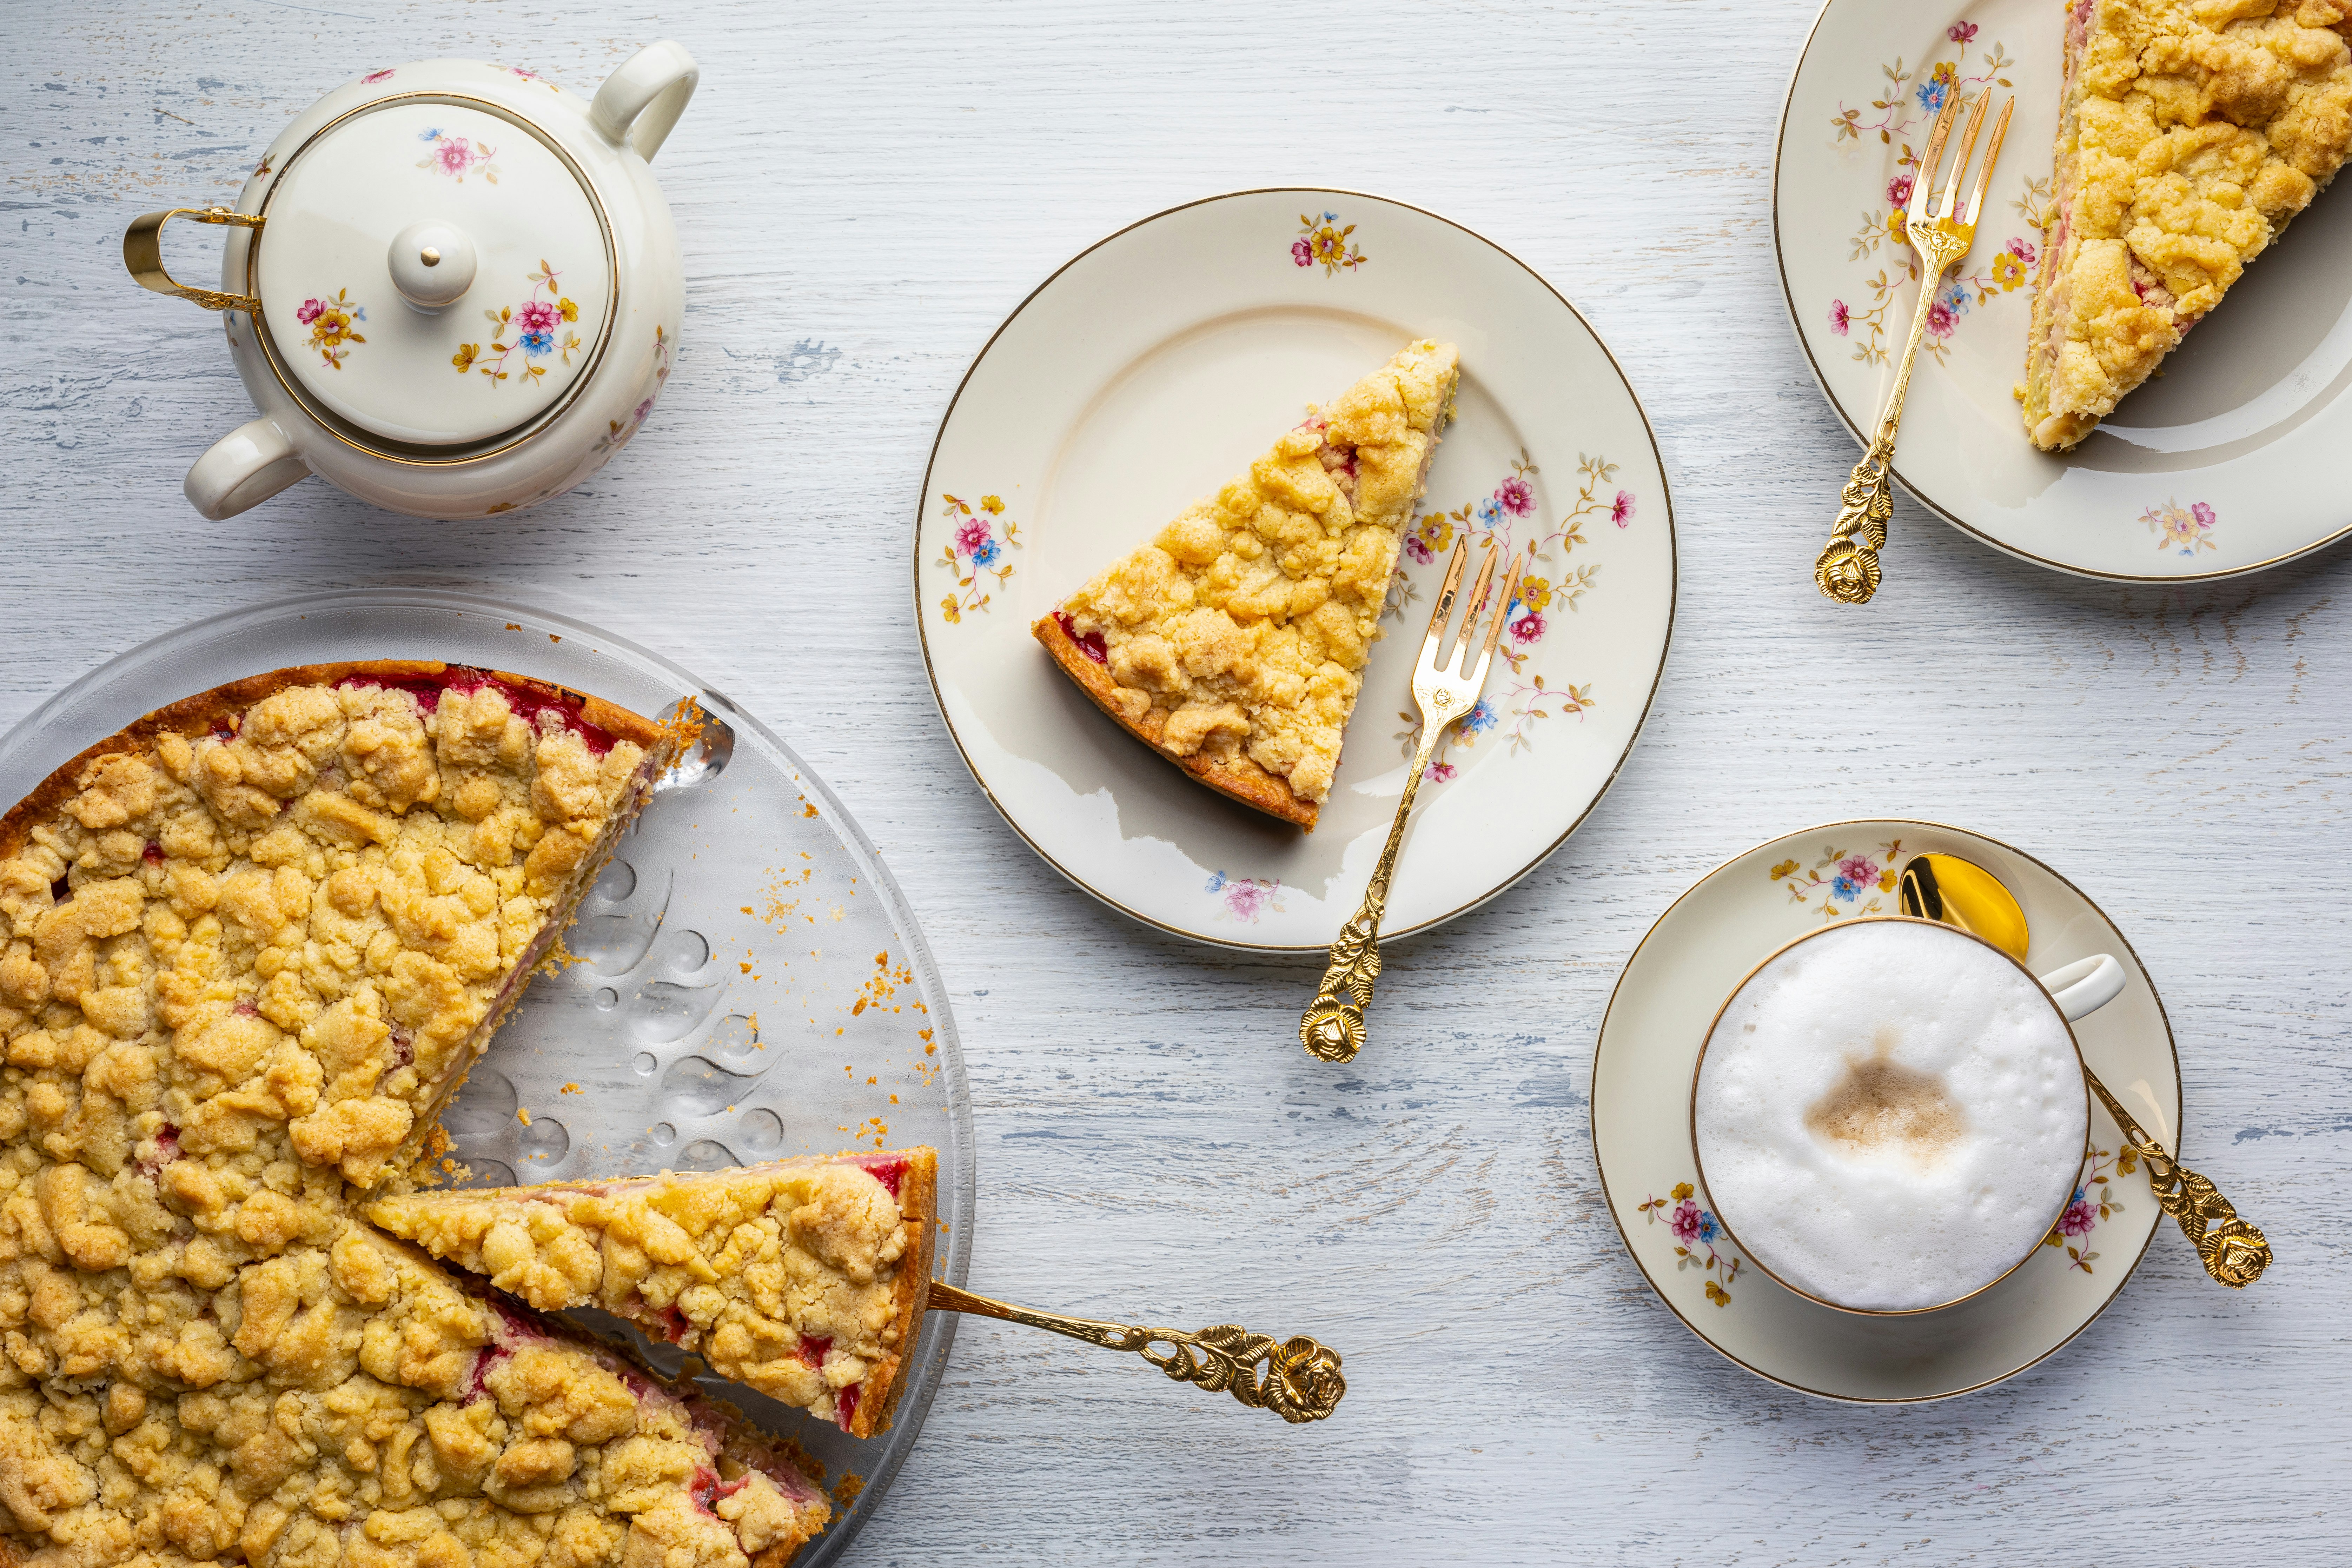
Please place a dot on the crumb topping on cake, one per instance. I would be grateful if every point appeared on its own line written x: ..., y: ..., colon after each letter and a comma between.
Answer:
x: 1242, y: 631
x: 797, y: 1278
x: 2190, y: 132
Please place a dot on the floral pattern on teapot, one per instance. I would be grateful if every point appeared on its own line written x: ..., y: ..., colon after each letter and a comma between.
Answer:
x: 332, y: 325
x: 528, y: 328
x: 457, y: 157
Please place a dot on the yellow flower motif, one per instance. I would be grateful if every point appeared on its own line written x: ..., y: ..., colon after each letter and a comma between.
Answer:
x: 1683, y: 1189
x: 567, y: 309
x: 1535, y: 592
x: 1896, y: 227
x: 331, y: 328
x: 463, y: 358
x: 1886, y: 880
x: 1436, y: 532
x: 1786, y: 868
x: 948, y: 609
x: 1717, y: 1294
x: 991, y: 504
x: 2008, y: 270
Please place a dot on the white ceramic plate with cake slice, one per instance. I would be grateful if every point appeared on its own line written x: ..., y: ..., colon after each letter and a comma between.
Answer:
x: 1149, y: 371
x: 1695, y: 956
x: 2227, y: 461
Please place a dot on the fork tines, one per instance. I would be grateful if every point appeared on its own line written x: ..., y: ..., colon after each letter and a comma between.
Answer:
x: 1924, y: 208
x: 1457, y: 653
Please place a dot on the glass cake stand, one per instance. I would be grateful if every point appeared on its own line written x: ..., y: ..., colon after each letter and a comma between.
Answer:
x: 747, y: 982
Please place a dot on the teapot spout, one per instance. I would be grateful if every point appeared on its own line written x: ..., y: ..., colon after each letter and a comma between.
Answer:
x: 641, y: 100
x: 244, y: 468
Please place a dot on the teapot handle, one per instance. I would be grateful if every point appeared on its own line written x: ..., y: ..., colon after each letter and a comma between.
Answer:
x: 244, y: 468
x: 642, y: 99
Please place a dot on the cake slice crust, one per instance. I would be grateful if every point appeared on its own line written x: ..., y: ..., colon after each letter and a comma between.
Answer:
x: 804, y: 1279
x: 2190, y: 133
x: 1234, y: 644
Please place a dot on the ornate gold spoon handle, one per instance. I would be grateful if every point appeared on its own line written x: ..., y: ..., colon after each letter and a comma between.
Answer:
x: 1300, y: 1382
x: 2234, y: 1252
x: 1332, y: 1028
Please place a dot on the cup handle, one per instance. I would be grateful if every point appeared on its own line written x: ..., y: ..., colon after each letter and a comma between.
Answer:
x: 2084, y: 986
x: 642, y: 99
x: 244, y: 468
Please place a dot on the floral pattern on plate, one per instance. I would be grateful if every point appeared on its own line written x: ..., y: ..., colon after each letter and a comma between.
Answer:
x: 1243, y: 898
x: 457, y: 157
x: 1696, y: 1230
x: 1845, y: 877
x: 529, y: 329
x: 973, y: 552
x: 2095, y: 1200
x: 1913, y: 98
x: 333, y: 324
x: 1322, y: 239
x: 1521, y: 695
x: 2185, y: 529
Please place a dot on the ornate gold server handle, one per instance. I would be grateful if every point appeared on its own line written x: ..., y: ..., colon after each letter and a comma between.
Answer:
x: 1300, y: 1381
x: 2233, y: 1251
x: 143, y: 253
x: 1847, y: 568
x: 1332, y: 1028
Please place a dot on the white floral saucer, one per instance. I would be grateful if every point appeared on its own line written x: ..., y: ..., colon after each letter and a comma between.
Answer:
x: 2228, y: 462
x: 1691, y: 959
x: 1146, y: 374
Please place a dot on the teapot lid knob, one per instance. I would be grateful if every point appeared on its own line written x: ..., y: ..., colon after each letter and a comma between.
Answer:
x: 432, y: 265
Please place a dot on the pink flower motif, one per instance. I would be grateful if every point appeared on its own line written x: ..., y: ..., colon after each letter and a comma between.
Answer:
x: 1858, y: 868
x: 310, y: 311
x: 1515, y: 496
x: 2203, y: 513
x: 1245, y: 898
x: 537, y: 316
x: 2023, y: 249
x: 1941, y: 319
x: 1526, y: 629
x: 644, y: 408
x: 384, y: 75
x: 1418, y: 548
x: 1961, y: 32
x: 455, y: 155
x: 1301, y: 253
x: 2079, y: 1218
x: 971, y: 537
x: 1685, y: 1222
x: 1898, y: 191
x: 1439, y: 772
x: 1840, y: 317
x: 1620, y: 511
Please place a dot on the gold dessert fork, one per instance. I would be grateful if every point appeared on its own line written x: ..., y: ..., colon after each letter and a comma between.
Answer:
x: 1847, y: 570
x: 1301, y: 1381
x: 1332, y: 1028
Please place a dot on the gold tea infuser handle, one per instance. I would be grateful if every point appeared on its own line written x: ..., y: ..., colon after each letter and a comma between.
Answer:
x: 1301, y: 1380
x: 143, y: 253
x: 2233, y: 1250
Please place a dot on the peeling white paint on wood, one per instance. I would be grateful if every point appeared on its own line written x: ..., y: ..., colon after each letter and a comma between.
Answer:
x: 863, y: 194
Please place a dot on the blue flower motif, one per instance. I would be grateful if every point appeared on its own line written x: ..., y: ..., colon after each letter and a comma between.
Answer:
x: 1490, y: 513
x: 1330, y: 217
x: 1954, y: 299
x: 1481, y: 717
x: 359, y: 313
x: 1931, y: 96
x: 430, y: 133
x: 987, y: 553
x: 1707, y: 1227
x: 1844, y: 887
x: 1216, y: 884
x: 537, y: 343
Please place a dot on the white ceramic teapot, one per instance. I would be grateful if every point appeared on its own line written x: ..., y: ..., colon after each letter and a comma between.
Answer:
x: 452, y: 289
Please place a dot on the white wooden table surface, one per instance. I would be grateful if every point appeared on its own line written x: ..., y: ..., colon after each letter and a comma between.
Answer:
x: 863, y: 194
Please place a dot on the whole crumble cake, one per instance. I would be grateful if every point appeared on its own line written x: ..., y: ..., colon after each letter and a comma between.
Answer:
x: 802, y: 1279
x: 1234, y: 644
x: 2190, y: 132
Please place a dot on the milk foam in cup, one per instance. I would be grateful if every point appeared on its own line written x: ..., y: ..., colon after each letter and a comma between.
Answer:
x: 1889, y: 1115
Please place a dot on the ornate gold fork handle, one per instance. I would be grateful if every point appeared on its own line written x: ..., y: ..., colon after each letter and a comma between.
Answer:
x: 1300, y: 1382
x: 2233, y: 1251
x: 1847, y: 568
x: 1332, y: 1027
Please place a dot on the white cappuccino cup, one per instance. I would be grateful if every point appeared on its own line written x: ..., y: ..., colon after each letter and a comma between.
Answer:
x: 1889, y: 1113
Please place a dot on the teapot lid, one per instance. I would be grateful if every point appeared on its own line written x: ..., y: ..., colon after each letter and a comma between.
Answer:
x: 434, y: 273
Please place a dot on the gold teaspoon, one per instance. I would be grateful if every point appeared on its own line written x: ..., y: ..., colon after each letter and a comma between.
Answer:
x: 1962, y: 893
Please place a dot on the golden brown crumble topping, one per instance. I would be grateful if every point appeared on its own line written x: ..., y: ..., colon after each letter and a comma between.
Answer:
x: 2190, y: 132
x: 1242, y: 631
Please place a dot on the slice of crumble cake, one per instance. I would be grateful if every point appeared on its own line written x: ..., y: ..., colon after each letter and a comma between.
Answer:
x: 802, y: 1278
x: 1234, y: 644
x: 2190, y: 132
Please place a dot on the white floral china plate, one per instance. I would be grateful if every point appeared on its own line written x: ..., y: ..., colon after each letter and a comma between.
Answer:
x: 1699, y: 950
x: 1146, y: 374
x: 2229, y: 462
